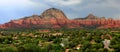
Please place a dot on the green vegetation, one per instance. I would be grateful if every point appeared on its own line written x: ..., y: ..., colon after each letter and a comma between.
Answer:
x: 58, y: 40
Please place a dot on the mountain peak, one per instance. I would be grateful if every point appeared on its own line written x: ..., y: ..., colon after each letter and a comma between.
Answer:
x: 55, y: 18
x: 53, y: 13
x: 53, y: 9
x: 91, y: 16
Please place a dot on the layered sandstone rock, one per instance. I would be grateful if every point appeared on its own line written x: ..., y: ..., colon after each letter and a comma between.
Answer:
x: 55, y: 18
x: 53, y: 13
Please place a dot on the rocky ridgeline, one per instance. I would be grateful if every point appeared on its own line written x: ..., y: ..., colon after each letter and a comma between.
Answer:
x: 55, y: 18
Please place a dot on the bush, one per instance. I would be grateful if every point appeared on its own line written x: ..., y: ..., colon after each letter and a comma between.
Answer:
x: 31, y: 48
x: 10, y: 49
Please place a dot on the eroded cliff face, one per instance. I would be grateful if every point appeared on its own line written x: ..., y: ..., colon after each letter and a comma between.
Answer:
x: 51, y: 18
x: 92, y: 21
x: 55, y: 18
x: 53, y: 13
x: 99, y: 22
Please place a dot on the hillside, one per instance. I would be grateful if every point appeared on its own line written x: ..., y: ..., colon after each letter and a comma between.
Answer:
x: 55, y: 18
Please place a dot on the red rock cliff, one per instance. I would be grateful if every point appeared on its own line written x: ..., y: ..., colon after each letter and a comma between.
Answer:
x: 55, y: 18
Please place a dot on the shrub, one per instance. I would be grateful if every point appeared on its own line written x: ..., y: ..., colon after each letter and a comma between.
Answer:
x: 10, y: 49
x: 31, y: 48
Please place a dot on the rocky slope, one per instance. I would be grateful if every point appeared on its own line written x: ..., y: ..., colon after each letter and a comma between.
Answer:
x: 55, y: 18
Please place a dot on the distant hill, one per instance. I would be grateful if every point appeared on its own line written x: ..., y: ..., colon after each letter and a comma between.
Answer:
x: 90, y: 16
x: 55, y: 18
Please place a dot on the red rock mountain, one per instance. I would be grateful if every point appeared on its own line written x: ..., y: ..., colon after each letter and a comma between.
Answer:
x: 55, y: 18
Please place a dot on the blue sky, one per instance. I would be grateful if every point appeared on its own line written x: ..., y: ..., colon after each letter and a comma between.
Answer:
x: 15, y: 9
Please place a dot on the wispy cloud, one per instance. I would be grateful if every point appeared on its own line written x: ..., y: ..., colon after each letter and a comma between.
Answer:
x: 64, y: 2
x: 107, y: 8
x: 14, y: 9
x: 20, y: 3
x: 10, y: 3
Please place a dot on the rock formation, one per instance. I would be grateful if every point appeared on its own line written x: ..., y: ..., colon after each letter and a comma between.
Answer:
x: 55, y: 18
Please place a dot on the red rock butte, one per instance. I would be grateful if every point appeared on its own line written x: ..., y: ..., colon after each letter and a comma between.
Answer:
x: 55, y: 18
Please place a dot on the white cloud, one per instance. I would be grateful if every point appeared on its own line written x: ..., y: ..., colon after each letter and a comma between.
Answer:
x: 105, y: 4
x: 107, y: 8
x: 19, y: 3
x: 14, y: 9
x: 65, y: 2
x: 12, y: 6
x: 73, y: 8
x: 111, y: 4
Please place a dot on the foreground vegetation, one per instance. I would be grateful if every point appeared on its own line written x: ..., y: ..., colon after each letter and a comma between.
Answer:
x: 59, y: 40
